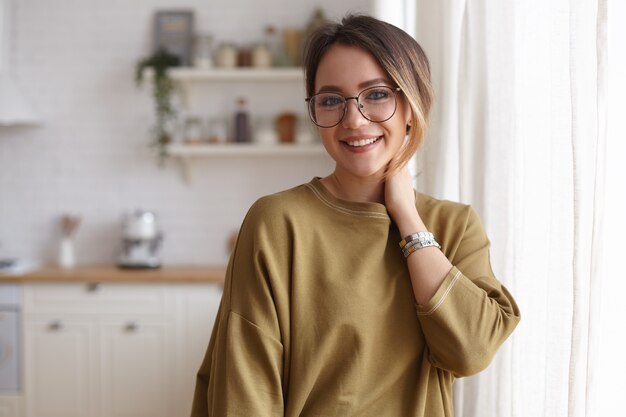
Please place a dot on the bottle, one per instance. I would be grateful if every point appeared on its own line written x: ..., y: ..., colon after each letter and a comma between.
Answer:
x: 242, y: 122
x: 273, y: 43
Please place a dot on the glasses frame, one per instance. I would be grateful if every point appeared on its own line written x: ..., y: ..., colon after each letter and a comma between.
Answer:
x: 358, y: 105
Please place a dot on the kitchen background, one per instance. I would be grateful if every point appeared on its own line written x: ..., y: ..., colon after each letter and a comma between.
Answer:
x: 89, y: 156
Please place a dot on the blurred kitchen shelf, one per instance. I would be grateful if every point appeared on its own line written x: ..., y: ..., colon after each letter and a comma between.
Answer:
x: 185, y: 75
x: 237, y: 74
x: 241, y: 149
x: 184, y: 153
x: 186, y: 78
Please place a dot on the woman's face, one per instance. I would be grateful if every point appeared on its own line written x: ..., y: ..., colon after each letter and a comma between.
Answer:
x: 348, y: 70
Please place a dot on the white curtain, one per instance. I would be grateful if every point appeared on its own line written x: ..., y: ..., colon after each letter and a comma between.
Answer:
x: 519, y: 132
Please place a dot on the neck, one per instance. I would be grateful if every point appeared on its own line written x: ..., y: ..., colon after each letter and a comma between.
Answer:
x: 352, y: 188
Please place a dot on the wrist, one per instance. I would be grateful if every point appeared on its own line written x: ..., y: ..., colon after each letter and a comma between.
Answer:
x: 410, y: 224
x: 417, y: 241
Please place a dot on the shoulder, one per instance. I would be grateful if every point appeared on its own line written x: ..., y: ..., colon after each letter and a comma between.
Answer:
x: 450, y: 218
x: 276, y: 211
x: 281, y: 203
x: 442, y: 211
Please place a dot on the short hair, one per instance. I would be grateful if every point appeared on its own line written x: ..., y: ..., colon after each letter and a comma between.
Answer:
x: 397, y: 53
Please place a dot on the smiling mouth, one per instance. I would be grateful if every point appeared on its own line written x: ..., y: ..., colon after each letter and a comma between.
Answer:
x: 363, y: 142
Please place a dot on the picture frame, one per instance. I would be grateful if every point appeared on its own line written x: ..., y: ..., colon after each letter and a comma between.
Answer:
x: 173, y: 31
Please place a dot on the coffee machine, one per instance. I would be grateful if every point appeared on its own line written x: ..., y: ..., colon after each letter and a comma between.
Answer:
x: 141, y: 241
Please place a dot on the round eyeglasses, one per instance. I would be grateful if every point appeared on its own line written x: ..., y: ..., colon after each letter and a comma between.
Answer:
x: 376, y: 104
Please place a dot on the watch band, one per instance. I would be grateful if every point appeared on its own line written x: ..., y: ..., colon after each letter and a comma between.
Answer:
x: 417, y: 241
x: 420, y: 236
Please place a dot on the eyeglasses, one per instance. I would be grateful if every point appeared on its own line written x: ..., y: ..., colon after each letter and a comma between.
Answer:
x: 376, y: 104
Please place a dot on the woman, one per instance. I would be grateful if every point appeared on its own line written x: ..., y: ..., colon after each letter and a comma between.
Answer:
x: 323, y: 313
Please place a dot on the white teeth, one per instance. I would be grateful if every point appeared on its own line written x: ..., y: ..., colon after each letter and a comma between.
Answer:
x: 362, y: 142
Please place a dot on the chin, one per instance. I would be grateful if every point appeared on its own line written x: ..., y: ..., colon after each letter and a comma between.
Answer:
x: 367, y: 172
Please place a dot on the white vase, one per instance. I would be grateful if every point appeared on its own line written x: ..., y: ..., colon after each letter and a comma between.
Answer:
x: 67, y: 258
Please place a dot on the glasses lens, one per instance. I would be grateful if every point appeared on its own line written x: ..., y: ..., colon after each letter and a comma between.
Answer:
x: 327, y: 109
x: 377, y: 104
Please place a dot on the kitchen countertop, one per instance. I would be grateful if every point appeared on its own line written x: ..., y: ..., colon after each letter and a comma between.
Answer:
x: 111, y: 273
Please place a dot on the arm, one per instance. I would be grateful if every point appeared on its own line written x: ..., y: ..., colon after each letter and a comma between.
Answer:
x: 428, y: 267
x: 465, y: 313
x: 242, y: 371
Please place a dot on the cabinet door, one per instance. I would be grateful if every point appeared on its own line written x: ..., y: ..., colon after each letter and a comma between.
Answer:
x: 58, y: 367
x: 134, y: 363
x: 196, y: 308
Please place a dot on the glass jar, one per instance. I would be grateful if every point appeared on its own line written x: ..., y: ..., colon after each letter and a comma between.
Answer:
x: 193, y: 130
x: 203, y: 51
x: 227, y: 56
x: 265, y: 133
x: 305, y: 132
x: 218, y: 130
x: 261, y: 56
x: 244, y: 57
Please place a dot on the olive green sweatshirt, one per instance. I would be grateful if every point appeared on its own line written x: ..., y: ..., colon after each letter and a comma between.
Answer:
x: 318, y: 316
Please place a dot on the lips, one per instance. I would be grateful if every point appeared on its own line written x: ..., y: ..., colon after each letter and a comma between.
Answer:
x: 360, y: 141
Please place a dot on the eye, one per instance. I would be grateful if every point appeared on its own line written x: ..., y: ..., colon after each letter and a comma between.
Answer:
x: 377, y: 94
x: 329, y: 100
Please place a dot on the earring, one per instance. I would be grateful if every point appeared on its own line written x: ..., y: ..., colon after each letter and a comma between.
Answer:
x: 408, y: 128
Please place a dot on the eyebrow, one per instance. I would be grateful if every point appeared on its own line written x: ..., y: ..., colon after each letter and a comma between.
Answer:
x: 364, y: 84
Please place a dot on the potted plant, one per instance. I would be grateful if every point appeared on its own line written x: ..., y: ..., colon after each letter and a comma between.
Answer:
x: 162, y: 89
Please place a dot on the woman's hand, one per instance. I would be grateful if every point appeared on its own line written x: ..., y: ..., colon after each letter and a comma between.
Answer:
x: 428, y: 267
x: 400, y: 202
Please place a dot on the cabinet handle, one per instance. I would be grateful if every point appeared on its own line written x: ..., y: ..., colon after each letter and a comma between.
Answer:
x: 131, y: 327
x: 93, y: 287
x: 56, y: 325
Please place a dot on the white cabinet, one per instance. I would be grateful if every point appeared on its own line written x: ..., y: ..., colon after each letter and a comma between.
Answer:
x: 114, y: 350
x: 196, y: 307
x: 135, y: 360
x: 59, y: 354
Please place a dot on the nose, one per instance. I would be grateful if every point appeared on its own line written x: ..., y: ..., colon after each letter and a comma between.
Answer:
x: 353, y: 118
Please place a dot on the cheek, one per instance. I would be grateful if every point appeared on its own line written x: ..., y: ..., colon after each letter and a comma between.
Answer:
x: 326, y: 134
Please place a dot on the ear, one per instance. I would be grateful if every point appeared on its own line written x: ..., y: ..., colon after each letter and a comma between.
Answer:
x: 407, y: 114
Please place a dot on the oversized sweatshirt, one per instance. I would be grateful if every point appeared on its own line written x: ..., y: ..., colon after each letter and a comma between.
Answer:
x: 318, y: 316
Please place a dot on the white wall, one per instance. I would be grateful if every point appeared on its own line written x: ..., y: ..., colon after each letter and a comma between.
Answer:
x: 76, y: 59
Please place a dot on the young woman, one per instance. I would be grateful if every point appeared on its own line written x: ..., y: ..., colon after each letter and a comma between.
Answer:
x: 353, y: 295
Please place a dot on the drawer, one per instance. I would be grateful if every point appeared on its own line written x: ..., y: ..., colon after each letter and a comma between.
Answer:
x: 94, y: 298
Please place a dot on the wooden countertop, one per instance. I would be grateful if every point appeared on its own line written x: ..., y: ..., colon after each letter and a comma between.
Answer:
x: 111, y: 273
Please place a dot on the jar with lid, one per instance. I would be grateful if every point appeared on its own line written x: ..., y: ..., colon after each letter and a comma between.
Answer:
x: 244, y: 56
x: 193, y: 130
x: 305, y: 132
x: 227, y: 55
x: 286, y: 127
x: 218, y: 130
x: 261, y: 56
x: 264, y: 132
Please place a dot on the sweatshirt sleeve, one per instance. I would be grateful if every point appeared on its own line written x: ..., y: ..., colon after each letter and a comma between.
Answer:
x: 243, y: 367
x: 472, y: 313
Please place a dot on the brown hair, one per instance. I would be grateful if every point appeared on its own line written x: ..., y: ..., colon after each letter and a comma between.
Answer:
x: 396, y: 52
